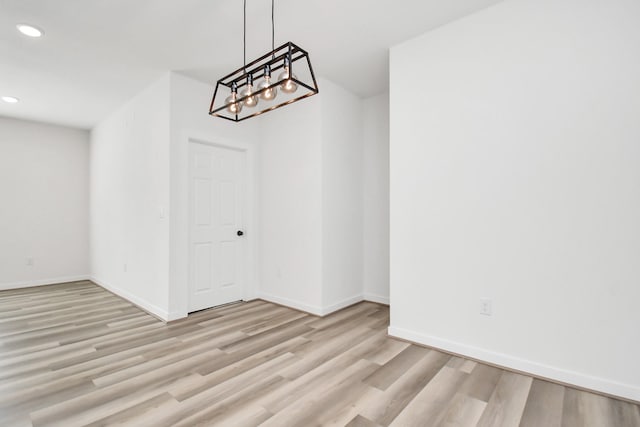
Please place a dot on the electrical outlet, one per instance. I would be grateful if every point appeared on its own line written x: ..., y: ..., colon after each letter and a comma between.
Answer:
x: 30, y: 261
x: 485, y: 306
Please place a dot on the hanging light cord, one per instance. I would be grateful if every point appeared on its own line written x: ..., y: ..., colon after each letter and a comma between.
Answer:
x: 244, y: 40
x: 273, y: 33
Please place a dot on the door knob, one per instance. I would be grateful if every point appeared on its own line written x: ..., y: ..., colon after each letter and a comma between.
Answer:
x: 240, y: 233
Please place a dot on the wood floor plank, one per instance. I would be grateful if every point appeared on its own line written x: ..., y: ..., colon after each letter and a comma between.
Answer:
x: 462, y: 410
x: 481, y: 382
x: 468, y: 366
x: 318, y: 352
x: 387, y: 351
x: 236, y: 408
x: 322, y: 399
x: 354, y: 312
x: 396, y: 367
x: 624, y: 413
x: 240, y: 366
x: 430, y: 404
x: 218, y: 393
x: 589, y: 410
x: 544, y: 405
x: 348, y: 412
x: 253, y: 363
x: 402, y: 391
x: 140, y: 410
x: 99, y: 403
x: 327, y: 373
x: 360, y: 421
x: 506, y: 405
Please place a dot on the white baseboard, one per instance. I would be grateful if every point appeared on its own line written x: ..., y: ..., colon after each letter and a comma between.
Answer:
x: 176, y: 315
x: 42, y: 282
x: 342, y: 304
x: 141, y: 303
x: 312, y: 309
x: 376, y: 298
x: 578, y: 379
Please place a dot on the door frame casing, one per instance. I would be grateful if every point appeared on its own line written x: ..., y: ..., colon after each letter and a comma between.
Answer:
x: 179, y: 260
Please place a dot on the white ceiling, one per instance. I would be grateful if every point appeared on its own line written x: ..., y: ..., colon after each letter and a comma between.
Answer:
x: 96, y: 54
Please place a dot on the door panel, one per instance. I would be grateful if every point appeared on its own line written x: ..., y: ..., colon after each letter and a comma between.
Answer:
x: 216, y: 251
x: 202, y: 199
x: 202, y: 272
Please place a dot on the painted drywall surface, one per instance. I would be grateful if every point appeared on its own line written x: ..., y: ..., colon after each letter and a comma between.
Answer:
x: 514, y: 176
x: 190, y: 120
x: 130, y: 200
x: 44, y: 215
x: 342, y: 209
x: 311, y: 208
x: 287, y: 149
x: 290, y: 175
x: 375, y: 221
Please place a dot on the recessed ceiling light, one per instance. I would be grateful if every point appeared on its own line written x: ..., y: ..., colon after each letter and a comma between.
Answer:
x: 10, y: 99
x: 29, y: 30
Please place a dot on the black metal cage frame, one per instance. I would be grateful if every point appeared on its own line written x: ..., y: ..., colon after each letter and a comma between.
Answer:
x: 275, y: 60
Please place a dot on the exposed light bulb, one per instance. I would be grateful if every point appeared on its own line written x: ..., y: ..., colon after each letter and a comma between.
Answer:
x: 287, y: 85
x: 10, y: 99
x: 268, y: 94
x: 271, y: 93
x: 250, y: 101
x: 232, y: 106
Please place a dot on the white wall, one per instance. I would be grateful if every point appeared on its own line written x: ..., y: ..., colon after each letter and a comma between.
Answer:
x: 342, y: 184
x: 130, y: 200
x: 514, y: 176
x: 307, y: 188
x: 311, y: 202
x: 291, y: 206
x: 375, y: 249
x: 305, y: 203
x: 44, y: 210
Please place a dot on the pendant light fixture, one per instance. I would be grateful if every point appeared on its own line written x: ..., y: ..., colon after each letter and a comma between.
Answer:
x: 266, y: 83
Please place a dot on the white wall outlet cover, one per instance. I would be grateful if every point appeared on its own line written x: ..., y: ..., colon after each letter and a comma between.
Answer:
x: 485, y: 306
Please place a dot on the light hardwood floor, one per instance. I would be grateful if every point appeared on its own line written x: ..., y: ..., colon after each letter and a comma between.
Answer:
x: 74, y: 354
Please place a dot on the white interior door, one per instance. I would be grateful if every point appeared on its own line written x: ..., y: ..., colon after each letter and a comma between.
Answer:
x: 217, y: 244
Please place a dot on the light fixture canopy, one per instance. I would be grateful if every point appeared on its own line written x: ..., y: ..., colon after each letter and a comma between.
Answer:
x: 256, y: 86
x: 10, y: 99
x: 30, y: 30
